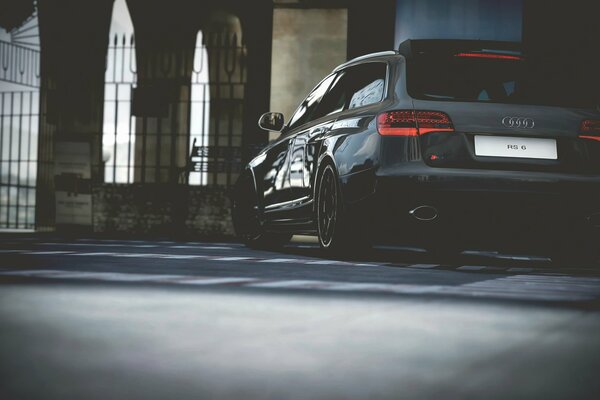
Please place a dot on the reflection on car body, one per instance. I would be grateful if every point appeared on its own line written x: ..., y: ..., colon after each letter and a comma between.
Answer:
x: 444, y: 143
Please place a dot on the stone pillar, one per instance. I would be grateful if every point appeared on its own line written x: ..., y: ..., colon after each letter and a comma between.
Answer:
x: 223, y: 38
x: 257, y: 24
x: 165, y: 34
x: 74, y: 41
x: 252, y: 23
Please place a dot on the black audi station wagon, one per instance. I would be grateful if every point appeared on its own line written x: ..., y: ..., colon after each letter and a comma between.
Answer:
x: 444, y: 144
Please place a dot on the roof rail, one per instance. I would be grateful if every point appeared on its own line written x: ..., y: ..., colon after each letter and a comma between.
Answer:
x: 381, y: 53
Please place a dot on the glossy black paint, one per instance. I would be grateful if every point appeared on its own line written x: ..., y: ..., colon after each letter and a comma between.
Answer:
x: 383, y: 178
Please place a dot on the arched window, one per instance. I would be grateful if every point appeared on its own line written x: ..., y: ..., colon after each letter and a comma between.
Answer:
x: 218, y: 89
x: 118, y: 136
x: 199, y: 112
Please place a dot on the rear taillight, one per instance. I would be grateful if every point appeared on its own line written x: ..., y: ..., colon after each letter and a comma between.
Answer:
x: 590, y: 129
x: 397, y: 123
x: 413, y: 123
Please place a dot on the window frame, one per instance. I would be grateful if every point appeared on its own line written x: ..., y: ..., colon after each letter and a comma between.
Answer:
x: 317, y: 86
x: 335, y: 73
x: 385, y: 85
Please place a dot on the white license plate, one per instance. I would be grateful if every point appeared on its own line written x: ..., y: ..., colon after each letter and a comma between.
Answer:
x: 506, y: 146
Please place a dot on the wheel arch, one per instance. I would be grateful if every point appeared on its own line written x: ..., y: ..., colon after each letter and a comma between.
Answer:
x: 325, y: 159
x: 247, y: 173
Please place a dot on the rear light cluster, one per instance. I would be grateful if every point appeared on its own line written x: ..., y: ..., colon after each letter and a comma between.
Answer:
x: 413, y: 123
x: 590, y: 129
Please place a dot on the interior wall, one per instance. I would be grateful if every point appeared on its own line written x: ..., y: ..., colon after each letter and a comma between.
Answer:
x: 561, y: 44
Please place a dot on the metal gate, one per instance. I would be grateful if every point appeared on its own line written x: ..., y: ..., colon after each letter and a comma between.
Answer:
x: 19, y: 124
x: 187, y: 133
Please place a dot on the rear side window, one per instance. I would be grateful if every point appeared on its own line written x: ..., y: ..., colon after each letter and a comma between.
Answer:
x: 355, y: 86
x: 370, y: 94
x: 492, y: 80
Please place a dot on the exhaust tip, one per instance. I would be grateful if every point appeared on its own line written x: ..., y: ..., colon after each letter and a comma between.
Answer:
x: 425, y: 213
x: 594, y: 220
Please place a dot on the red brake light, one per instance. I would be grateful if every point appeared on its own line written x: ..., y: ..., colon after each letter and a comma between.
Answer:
x: 397, y: 123
x: 590, y: 129
x: 490, y: 55
x: 433, y: 121
x: 413, y: 123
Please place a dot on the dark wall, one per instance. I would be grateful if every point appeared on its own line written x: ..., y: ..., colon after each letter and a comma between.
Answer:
x: 370, y: 26
x: 14, y: 12
x: 561, y: 41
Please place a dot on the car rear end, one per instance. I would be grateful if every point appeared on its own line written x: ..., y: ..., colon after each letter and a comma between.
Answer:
x: 491, y: 149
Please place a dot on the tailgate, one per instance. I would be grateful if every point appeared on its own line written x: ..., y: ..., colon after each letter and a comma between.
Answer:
x: 512, y: 137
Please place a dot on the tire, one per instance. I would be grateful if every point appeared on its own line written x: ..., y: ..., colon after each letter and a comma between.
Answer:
x: 246, y: 219
x: 335, y: 232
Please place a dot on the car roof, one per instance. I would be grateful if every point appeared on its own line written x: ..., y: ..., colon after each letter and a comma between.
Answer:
x: 364, y: 58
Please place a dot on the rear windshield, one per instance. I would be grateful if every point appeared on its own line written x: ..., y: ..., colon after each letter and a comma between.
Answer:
x: 497, y: 80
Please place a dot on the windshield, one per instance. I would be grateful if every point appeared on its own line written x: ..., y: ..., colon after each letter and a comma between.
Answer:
x: 496, y: 80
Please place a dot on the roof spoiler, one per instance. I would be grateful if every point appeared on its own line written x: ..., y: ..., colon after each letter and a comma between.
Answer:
x: 411, y: 48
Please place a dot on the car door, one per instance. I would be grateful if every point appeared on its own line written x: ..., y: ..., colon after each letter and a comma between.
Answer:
x: 277, y: 178
x: 353, y: 88
x: 305, y: 143
x: 302, y: 159
x: 274, y: 169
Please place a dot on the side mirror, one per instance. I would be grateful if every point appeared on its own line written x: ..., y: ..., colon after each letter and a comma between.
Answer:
x: 271, y: 121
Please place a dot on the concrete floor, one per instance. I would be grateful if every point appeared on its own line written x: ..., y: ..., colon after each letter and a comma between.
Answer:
x: 121, y: 319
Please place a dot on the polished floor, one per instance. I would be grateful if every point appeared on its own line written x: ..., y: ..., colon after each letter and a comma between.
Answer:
x: 91, y: 318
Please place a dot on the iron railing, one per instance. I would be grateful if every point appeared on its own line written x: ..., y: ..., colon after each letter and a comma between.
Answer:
x: 19, y: 65
x: 19, y: 121
x: 179, y: 122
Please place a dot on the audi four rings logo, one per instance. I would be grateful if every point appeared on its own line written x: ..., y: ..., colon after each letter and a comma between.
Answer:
x: 518, y: 122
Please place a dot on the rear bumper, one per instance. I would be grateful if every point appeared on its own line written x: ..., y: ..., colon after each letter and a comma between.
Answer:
x: 488, y: 180
x: 476, y: 205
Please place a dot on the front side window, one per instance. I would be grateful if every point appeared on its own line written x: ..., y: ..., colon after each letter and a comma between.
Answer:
x: 306, y: 111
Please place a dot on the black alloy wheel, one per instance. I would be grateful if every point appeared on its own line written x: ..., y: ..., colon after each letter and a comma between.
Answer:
x: 328, y: 209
